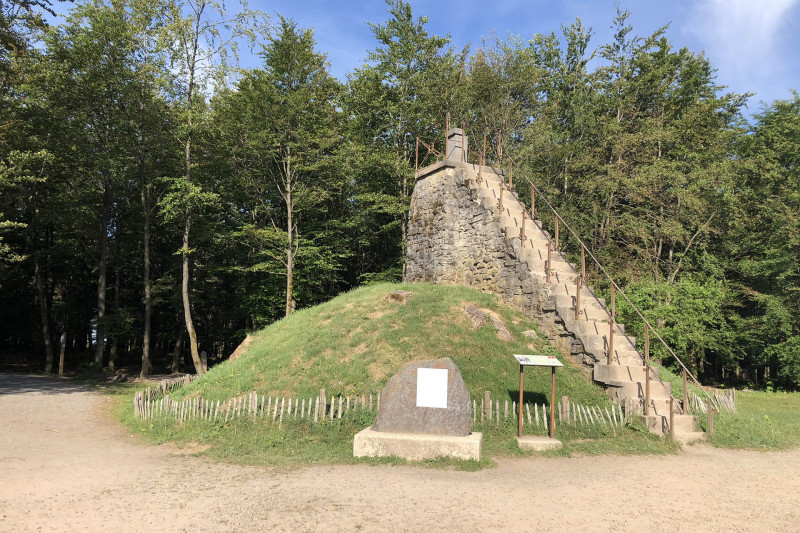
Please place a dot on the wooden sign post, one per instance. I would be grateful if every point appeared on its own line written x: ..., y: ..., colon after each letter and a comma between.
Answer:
x: 538, y: 360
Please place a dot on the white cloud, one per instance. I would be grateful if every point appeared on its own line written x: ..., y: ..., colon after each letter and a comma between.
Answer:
x: 741, y: 36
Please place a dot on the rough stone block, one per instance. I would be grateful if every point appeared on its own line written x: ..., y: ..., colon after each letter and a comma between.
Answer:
x: 399, y: 412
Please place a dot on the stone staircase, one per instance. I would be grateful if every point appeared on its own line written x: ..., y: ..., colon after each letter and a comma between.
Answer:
x: 625, y: 377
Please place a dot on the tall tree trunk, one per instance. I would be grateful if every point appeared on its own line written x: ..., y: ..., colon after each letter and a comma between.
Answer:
x: 290, y: 243
x: 176, y: 353
x: 101, y: 278
x: 148, y: 301
x: 187, y: 310
x: 48, y: 346
x: 112, y: 354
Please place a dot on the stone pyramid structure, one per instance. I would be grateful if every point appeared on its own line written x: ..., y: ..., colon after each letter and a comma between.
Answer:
x: 466, y: 227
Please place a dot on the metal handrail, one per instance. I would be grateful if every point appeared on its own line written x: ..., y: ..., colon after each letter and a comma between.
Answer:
x: 584, y: 248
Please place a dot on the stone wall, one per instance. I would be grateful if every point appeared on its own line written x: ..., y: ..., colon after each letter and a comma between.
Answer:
x: 453, y: 240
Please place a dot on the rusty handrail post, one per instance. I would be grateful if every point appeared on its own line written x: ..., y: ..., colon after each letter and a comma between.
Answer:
x: 483, y: 155
x: 583, y: 262
x: 557, y: 217
x: 446, y: 129
x: 416, y: 160
x: 533, y: 202
x: 522, y: 235
x: 671, y: 418
x: 480, y: 172
x: 685, y: 409
x: 549, y: 258
x: 511, y: 174
x: 612, y: 326
x: 500, y: 201
x: 499, y: 148
x: 578, y: 297
x: 710, y: 404
x: 647, y: 370
x: 519, y: 406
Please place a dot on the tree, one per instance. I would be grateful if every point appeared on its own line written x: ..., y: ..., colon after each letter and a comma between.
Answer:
x: 205, y: 40
x: 281, y: 126
x: 405, y: 91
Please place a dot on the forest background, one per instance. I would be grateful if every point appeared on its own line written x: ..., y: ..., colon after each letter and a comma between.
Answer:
x: 157, y: 201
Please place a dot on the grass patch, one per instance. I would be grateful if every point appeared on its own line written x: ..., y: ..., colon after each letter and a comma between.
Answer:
x: 352, y: 345
x: 763, y: 421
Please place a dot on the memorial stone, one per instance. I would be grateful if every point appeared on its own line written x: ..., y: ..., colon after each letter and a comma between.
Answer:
x: 425, y: 397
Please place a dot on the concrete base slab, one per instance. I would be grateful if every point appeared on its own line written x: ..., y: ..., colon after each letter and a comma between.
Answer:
x: 538, y: 444
x: 369, y: 443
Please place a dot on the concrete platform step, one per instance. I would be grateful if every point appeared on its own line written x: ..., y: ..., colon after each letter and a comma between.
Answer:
x: 605, y: 373
x: 691, y: 437
x: 565, y: 301
x: 635, y: 389
x: 659, y: 424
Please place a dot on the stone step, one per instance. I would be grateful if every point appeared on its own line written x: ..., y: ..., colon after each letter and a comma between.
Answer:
x: 635, y: 389
x: 659, y: 424
x: 563, y: 301
x: 539, y: 257
x: 569, y: 289
x: 604, y: 373
x: 690, y: 437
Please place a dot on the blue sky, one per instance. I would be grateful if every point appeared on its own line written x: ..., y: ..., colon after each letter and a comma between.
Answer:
x: 754, y: 44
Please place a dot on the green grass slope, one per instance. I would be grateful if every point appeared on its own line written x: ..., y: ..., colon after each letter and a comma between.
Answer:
x: 352, y: 345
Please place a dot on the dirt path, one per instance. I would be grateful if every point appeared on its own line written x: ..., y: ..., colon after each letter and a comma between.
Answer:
x: 64, y: 466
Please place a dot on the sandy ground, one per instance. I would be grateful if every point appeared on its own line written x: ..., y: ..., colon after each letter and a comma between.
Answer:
x: 66, y: 466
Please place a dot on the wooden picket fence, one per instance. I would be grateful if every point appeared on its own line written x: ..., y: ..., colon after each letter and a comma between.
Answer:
x: 724, y: 399
x: 251, y: 405
x: 534, y: 414
x: 154, y: 402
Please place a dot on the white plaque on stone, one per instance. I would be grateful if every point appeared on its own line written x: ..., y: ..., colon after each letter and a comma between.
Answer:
x: 432, y: 387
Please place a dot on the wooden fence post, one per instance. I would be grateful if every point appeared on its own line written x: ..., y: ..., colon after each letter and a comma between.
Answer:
x: 487, y: 402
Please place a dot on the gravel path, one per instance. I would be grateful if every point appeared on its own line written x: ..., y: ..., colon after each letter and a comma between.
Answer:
x: 66, y: 466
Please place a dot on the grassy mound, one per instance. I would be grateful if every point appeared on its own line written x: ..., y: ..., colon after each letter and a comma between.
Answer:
x: 353, y: 344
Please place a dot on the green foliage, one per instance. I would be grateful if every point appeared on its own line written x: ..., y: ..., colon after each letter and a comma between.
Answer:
x: 688, y: 314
